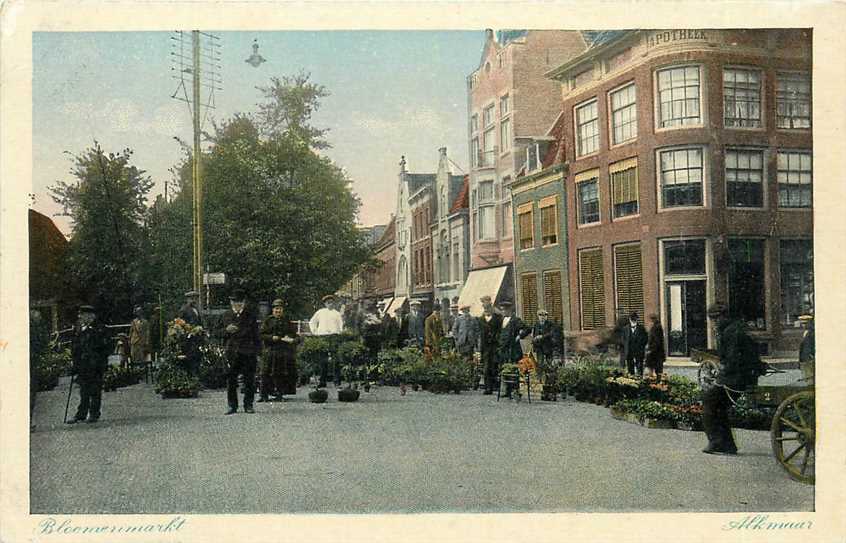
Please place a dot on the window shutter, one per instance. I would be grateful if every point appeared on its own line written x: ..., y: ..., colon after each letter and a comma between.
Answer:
x: 552, y: 296
x: 629, y: 278
x: 529, y: 294
x: 592, y: 289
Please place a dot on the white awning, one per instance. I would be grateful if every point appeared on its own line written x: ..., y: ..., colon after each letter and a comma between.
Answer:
x: 395, y: 305
x: 481, y: 283
x: 387, y: 301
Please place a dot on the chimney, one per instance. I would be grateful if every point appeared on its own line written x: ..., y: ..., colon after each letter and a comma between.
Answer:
x: 402, y: 164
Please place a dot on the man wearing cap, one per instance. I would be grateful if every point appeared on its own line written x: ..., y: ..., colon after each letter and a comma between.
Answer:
x: 370, y: 328
x: 634, y: 339
x: 90, y: 348
x: 327, y: 322
x: 740, y: 367
x: 434, y: 330
x: 278, y: 367
x: 545, y: 338
x: 416, y: 325
x: 390, y: 330
x: 139, y: 337
x: 512, y: 331
x: 241, y: 331
x: 487, y: 302
x: 490, y: 326
x: 191, y: 346
x: 189, y: 312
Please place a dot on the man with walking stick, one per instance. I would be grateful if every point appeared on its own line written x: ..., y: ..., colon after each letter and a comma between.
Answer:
x: 90, y: 349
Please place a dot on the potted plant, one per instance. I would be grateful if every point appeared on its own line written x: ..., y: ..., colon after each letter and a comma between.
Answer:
x: 174, y: 382
x: 348, y: 394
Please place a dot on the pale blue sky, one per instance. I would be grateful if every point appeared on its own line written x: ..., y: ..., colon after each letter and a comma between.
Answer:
x: 392, y: 93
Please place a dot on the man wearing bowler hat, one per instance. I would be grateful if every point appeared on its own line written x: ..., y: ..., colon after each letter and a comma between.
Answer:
x: 241, y: 332
x: 740, y: 367
x: 512, y: 331
x: 90, y: 348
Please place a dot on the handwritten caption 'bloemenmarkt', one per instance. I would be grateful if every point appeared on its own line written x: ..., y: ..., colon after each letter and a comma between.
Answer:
x: 52, y: 526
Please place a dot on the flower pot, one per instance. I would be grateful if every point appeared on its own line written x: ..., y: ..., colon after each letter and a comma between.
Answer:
x: 663, y: 424
x: 367, y: 387
x: 415, y: 387
x: 348, y: 395
x: 318, y: 396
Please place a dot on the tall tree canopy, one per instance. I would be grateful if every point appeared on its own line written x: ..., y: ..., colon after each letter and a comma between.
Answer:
x: 107, y: 204
x: 279, y: 219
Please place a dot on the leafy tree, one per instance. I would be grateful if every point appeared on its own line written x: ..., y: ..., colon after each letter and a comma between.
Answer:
x: 279, y: 219
x: 107, y: 206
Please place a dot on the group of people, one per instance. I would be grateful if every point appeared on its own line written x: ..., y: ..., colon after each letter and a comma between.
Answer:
x: 638, y: 348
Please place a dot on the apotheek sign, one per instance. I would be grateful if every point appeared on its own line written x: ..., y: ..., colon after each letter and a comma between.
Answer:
x: 664, y: 37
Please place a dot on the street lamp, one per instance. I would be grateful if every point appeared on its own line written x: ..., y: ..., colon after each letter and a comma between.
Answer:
x: 255, y: 59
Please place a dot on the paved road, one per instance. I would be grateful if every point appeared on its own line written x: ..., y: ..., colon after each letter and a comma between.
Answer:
x: 387, y: 453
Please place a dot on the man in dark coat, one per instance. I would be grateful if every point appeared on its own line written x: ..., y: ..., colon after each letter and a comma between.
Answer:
x: 490, y: 326
x: 90, y: 348
x: 740, y: 367
x: 191, y: 345
x: 279, y: 368
x: 634, y: 345
x: 510, y: 334
x: 370, y: 328
x: 546, y: 338
x: 416, y: 325
x: 656, y: 353
x: 241, y: 332
x: 390, y: 331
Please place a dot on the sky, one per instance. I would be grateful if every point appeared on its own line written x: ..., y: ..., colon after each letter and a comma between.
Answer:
x: 392, y: 93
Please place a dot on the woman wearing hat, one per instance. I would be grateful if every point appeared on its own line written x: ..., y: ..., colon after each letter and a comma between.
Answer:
x: 279, y: 368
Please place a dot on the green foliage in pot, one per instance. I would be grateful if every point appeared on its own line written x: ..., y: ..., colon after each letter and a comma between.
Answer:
x: 310, y: 354
x: 683, y: 391
x: 448, y: 373
x: 172, y: 380
x: 51, y: 365
x: 318, y: 395
x: 117, y: 377
x: 214, y: 367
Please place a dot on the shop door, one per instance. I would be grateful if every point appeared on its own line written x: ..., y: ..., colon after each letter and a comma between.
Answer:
x: 686, y: 320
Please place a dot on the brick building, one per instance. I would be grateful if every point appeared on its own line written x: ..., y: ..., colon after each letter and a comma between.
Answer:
x: 509, y: 101
x: 450, y: 232
x: 384, y: 276
x: 421, y: 203
x: 690, y: 180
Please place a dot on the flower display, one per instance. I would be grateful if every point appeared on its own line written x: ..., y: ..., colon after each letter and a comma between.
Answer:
x: 526, y: 364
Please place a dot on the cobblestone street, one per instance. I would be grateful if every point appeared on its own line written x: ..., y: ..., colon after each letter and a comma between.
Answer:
x: 387, y: 453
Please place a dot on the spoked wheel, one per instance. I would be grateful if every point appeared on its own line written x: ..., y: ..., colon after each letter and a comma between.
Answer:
x: 793, y: 435
x: 707, y: 374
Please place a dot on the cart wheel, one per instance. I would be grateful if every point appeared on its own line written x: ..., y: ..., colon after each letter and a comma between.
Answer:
x: 793, y: 435
x: 707, y: 374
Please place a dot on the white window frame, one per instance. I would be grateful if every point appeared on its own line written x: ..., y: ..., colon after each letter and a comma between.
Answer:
x: 706, y: 177
x: 764, y: 185
x: 488, y: 122
x: 578, y: 147
x: 598, y: 220
x: 611, y: 127
x: 793, y: 73
x: 490, y: 207
x: 762, y: 112
x: 778, y: 185
x: 505, y: 143
x: 703, y: 97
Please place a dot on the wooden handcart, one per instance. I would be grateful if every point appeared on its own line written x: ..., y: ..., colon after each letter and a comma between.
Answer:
x: 793, y: 430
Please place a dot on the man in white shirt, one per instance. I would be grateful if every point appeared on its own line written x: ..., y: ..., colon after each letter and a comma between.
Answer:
x: 327, y: 322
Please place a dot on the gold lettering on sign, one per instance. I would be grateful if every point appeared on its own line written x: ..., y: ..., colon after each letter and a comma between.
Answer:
x: 664, y: 37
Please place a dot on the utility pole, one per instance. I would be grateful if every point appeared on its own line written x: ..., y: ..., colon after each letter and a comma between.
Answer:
x: 204, y: 69
x: 197, y: 183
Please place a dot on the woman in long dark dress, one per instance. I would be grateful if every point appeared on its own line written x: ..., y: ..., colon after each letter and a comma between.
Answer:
x: 656, y: 353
